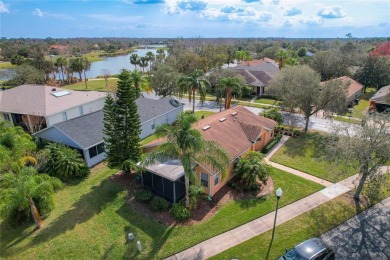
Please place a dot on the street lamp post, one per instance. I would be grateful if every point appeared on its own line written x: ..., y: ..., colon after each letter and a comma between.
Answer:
x: 279, y: 193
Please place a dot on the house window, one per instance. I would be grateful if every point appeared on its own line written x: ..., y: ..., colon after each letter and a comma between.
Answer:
x: 6, y: 117
x: 204, y: 179
x: 81, y: 110
x: 216, y: 179
x: 64, y: 116
x: 94, y: 151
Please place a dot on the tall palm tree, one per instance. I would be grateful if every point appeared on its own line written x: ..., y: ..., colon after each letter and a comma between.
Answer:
x: 28, y: 193
x: 281, y: 57
x: 143, y: 63
x: 61, y: 63
x: 134, y: 59
x: 229, y: 85
x: 160, y: 55
x: 187, y: 144
x: 151, y: 57
x: 86, y: 66
x: 76, y: 65
x: 192, y: 83
x: 139, y: 80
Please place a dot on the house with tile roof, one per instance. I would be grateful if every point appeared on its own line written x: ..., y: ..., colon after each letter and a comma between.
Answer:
x: 85, y: 133
x: 237, y: 130
x: 258, y: 73
x: 50, y: 105
x: 354, y: 89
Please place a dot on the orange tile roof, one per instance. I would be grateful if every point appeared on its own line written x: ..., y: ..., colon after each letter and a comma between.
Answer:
x: 353, y: 85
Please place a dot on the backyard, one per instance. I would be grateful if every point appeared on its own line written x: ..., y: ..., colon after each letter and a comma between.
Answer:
x: 305, y: 153
x: 95, y: 84
x: 91, y: 220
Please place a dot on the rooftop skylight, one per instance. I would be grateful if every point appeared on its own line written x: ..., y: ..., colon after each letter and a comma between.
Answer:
x: 61, y: 93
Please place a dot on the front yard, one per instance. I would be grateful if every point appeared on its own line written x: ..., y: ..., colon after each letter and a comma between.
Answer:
x: 95, y: 84
x: 91, y: 220
x: 304, y: 153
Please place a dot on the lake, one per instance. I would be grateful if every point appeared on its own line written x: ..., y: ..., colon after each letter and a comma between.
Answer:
x: 112, y: 64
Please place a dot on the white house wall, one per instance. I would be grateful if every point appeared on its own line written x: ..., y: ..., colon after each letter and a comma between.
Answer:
x: 54, y: 135
x: 75, y: 112
x: 95, y: 160
x: 170, y: 117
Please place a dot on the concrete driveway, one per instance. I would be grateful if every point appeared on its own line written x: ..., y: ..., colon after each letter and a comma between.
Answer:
x: 365, y: 236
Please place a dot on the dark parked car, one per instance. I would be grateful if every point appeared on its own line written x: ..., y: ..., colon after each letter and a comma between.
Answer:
x: 313, y: 248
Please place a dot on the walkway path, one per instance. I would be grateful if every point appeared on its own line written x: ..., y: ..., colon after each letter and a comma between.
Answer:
x: 224, y: 241
x: 291, y: 170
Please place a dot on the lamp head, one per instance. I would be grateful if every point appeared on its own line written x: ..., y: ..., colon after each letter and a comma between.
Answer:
x: 279, y: 192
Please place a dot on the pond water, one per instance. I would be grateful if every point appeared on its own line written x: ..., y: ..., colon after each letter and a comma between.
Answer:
x: 112, y: 64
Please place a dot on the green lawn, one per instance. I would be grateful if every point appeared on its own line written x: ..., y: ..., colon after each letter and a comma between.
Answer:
x: 359, y: 109
x: 269, y: 101
x: 305, y: 154
x: 6, y: 65
x: 347, y: 120
x: 148, y: 139
x: 311, y: 224
x: 97, y: 85
x: 91, y: 220
x: 204, y: 112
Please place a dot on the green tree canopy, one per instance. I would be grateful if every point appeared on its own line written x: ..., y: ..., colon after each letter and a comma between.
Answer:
x: 193, y: 83
x: 252, y: 168
x: 228, y: 86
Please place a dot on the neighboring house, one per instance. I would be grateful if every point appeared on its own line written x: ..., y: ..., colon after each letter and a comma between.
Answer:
x: 381, y: 100
x: 258, y: 73
x: 85, y: 133
x: 355, y: 89
x: 237, y: 130
x: 49, y: 105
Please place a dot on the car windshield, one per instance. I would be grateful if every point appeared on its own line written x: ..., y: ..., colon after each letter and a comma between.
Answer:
x: 293, y: 255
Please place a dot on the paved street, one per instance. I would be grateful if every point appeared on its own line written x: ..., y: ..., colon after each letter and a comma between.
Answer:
x: 365, y: 236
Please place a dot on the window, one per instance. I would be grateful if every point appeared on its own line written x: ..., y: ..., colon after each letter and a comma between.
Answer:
x: 6, y: 117
x: 216, y: 179
x: 204, y: 179
x: 94, y: 151
x: 64, y: 116
x: 81, y: 110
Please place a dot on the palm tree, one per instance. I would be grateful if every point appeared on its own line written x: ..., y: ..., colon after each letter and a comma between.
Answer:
x: 151, y: 58
x: 76, y: 65
x: 187, y: 144
x: 229, y: 85
x: 160, y: 55
x: 134, y: 59
x: 252, y: 168
x: 281, y: 57
x: 192, y: 83
x: 86, y: 66
x: 28, y: 193
x: 139, y: 80
x: 143, y: 63
x: 61, y: 63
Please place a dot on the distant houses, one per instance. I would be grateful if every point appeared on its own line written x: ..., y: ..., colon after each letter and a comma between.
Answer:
x: 354, y: 89
x: 258, y: 73
x: 381, y: 100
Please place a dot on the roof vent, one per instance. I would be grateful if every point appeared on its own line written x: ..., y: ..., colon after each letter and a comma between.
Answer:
x: 222, y: 119
x: 53, y: 89
x: 234, y: 113
x: 206, y: 127
x: 61, y: 93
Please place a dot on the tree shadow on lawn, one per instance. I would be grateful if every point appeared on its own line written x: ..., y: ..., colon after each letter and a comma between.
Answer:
x: 85, y: 208
x: 143, y: 228
x: 299, y: 146
x: 252, y: 202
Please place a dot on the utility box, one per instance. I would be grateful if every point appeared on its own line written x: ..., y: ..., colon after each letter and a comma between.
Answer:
x: 130, y: 236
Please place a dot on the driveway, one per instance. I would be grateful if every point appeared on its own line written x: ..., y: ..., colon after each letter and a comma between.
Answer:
x: 365, y: 236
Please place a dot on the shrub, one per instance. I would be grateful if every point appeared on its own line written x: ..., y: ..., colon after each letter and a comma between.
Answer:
x: 180, y: 212
x: 251, y: 168
x: 273, y: 114
x: 296, y: 132
x: 159, y: 204
x: 268, y: 147
x: 246, y: 188
x: 143, y: 196
x: 255, y: 187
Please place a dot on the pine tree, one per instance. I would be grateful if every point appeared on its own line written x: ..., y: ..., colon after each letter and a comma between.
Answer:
x: 122, y: 125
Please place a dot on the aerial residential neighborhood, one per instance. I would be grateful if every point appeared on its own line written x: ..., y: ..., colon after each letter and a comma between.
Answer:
x: 194, y: 129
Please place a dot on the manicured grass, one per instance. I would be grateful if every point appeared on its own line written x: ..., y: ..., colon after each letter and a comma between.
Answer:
x: 203, y: 112
x: 6, y: 65
x: 359, y: 109
x: 347, y: 120
x: 311, y: 224
x: 97, y: 85
x: 268, y: 101
x: 91, y: 220
x: 148, y: 139
x: 304, y: 153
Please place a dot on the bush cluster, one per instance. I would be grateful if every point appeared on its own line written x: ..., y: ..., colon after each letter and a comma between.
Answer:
x: 143, y: 196
x: 268, y: 147
x: 180, y: 212
x: 159, y: 204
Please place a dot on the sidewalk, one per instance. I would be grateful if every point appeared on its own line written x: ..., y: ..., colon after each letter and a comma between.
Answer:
x: 224, y: 241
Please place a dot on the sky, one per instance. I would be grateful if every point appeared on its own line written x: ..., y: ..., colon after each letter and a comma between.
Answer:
x: 194, y: 18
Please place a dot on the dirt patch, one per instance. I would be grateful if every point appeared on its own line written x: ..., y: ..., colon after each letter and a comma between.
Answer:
x: 204, y: 210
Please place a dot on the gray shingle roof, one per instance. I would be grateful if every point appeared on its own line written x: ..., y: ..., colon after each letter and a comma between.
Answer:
x: 87, y: 130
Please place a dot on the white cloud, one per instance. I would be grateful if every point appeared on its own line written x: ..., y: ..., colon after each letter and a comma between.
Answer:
x: 39, y: 13
x: 114, y: 18
x: 311, y: 20
x: 331, y: 12
x: 3, y: 8
x: 293, y: 11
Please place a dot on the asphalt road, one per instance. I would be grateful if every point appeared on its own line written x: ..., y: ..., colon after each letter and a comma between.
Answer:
x: 365, y: 236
